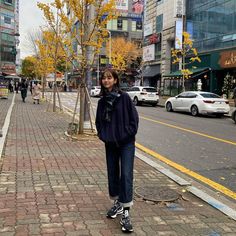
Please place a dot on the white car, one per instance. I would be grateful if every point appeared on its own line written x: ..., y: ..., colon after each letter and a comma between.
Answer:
x: 145, y: 94
x: 95, y: 91
x: 198, y: 103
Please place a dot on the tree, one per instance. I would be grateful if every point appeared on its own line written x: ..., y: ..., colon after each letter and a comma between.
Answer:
x: 86, y: 27
x: 28, y: 67
x: 186, y: 51
x: 228, y: 85
x: 51, y: 55
x: 123, y: 53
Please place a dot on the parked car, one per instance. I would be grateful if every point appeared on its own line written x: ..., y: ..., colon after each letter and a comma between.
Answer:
x: 147, y: 95
x: 95, y: 91
x: 198, y: 103
x: 233, y: 116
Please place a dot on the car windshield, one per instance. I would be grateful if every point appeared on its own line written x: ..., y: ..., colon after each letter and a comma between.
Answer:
x: 150, y: 90
x: 209, y: 95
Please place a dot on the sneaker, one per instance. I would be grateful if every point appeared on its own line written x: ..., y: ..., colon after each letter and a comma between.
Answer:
x: 116, y: 209
x: 126, y: 222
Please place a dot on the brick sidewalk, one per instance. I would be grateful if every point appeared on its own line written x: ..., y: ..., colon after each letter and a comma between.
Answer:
x: 50, y: 185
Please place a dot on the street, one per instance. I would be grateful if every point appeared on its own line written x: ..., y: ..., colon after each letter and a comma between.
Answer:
x: 205, y: 145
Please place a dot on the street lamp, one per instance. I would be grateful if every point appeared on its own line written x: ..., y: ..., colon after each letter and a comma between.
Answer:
x: 109, y: 32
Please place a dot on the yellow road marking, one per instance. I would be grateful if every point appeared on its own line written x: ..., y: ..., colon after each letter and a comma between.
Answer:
x: 190, y: 131
x: 193, y: 174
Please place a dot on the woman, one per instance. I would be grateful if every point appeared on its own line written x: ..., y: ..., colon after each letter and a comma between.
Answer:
x: 117, y: 125
x: 36, y: 92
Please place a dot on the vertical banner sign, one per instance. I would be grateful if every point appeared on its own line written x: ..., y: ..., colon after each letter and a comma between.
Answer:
x: 149, y: 53
x: 138, y: 6
x: 179, y: 9
x: 178, y: 34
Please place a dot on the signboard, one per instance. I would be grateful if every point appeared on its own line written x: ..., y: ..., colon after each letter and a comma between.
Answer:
x: 179, y: 8
x: 228, y: 59
x: 8, y: 68
x: 149, y: 53
x: 3, y: 91
x: 148, y: 29
x: 178, y: 34
x: 152, y: 39
x: 122, y: 5
x: 137, y: 6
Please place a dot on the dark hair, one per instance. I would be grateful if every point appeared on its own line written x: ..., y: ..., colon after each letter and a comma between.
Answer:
x: 115, y: 76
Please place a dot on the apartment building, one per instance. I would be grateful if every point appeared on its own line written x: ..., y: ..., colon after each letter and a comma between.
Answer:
x: 159, y: 37
x: 9, y: 30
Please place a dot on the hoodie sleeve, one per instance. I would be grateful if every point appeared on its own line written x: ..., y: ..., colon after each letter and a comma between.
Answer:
x: 133, y: 117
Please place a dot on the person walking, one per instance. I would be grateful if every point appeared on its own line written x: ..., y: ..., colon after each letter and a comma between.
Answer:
x: 23, y: 89
x: 117, y: 124
x: 36, y: 92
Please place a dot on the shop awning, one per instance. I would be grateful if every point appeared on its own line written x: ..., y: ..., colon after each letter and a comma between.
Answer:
x: 152, y: 70
x: 196, y: 72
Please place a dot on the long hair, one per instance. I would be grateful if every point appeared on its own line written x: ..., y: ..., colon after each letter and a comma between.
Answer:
x: 116, y: 86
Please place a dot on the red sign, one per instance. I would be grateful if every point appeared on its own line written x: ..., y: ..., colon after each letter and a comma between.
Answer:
x: 8, y: 68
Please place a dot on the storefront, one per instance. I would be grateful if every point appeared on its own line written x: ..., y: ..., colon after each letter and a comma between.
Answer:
x: 212, y: 70
x: 152, y: 75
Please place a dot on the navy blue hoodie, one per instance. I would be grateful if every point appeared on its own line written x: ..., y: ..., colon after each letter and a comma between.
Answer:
x: 124, y: 121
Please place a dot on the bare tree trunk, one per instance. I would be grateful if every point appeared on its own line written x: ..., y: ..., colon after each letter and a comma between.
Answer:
x: 43, y: 90
x: 82, y: 110
x: 54, y: 92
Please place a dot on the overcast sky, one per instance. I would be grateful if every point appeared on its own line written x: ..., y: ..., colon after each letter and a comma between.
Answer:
x: 30, y: 20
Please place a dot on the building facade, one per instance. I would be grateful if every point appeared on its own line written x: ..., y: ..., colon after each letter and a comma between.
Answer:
x: 9, y: 29
x: 212, y: 25
x: 128, y: 25
x: 159, y: 37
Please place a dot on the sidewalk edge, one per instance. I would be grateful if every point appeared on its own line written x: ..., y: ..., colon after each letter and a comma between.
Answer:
x: 6, y: 126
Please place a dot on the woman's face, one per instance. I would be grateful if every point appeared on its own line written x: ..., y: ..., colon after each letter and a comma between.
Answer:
x: 108, y: 81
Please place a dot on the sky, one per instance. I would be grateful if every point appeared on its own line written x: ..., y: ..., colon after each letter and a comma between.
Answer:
x: 30, y: 20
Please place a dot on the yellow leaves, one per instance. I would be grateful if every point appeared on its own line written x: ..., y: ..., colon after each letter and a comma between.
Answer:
x: 123, y: 53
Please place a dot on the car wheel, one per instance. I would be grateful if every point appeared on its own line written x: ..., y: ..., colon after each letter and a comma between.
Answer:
x: 136, y: 102
x: 194, y: 110
x: 154, y: 104
x: 219, y: 115
x: 169, y: 107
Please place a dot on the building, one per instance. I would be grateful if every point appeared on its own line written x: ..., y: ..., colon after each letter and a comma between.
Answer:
x: 212, y: 25
x: 159, y: 37
x: 128, y: 25
x: 9, y: 29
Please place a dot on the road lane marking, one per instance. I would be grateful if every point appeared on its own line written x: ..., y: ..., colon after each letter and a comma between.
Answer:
x: 191, y: 173
x: 190, y: 131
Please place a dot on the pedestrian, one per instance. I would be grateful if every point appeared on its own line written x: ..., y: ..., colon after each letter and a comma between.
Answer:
x: 16, y: 86
x: 36, y: 92
x: 234, y: 95
x: 23, y: 89
x: 117, y: 125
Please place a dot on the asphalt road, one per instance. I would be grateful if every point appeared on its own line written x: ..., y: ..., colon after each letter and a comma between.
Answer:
x: 205, y: 145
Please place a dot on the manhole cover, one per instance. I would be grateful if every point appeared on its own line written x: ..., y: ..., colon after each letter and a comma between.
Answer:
x: 157, y: 194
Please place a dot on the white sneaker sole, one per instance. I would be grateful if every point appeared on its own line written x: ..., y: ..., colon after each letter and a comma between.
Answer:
x: 118, y: 213
x: 125, y: 230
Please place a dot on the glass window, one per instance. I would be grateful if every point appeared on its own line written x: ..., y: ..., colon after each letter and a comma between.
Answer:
x: 7, y: 20
x: 119, y: 24
x: 125, y: 25
x: 159, y: 23
x: 9, y: 2
x: 209, y: 95
x: 150, y: 90
x: 133, y: 26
